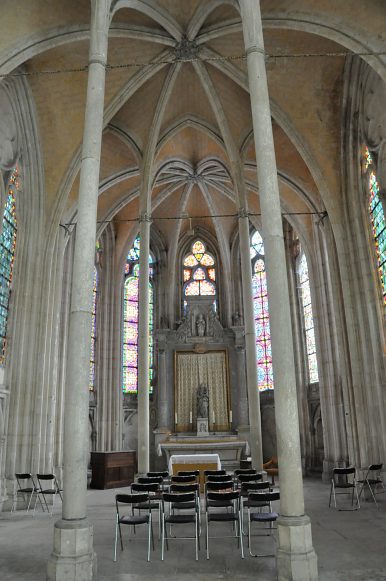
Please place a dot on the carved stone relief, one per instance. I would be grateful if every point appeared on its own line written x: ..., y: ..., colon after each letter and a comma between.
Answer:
x: 8, y: 132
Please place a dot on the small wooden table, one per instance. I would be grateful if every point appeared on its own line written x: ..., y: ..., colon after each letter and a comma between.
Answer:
x: 199, y: 462
x: 113, y: 469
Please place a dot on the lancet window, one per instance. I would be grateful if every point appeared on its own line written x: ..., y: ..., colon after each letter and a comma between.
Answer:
x: 377, y: 217
x: 199, y: 271
x: 7, y: 256
x: 130, y: 320
x: 305, y: 296
x: 261, y: 314
x: 93, y: 329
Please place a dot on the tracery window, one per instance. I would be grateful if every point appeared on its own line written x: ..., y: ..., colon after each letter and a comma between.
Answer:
x: 261, y: 315
x: 7, y: 256
x: 377, y: 217
x: 130, y: 320
x: 305, y: 293
x: 199, y: 272
x: 93, y: 330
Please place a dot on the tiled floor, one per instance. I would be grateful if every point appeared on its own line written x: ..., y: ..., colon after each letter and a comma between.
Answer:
x: 351, y: 546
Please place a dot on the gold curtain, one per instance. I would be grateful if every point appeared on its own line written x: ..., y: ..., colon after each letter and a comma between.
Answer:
x: 192, y: 369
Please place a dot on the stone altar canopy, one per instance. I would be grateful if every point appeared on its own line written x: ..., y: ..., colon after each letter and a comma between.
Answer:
x: 200, y: 336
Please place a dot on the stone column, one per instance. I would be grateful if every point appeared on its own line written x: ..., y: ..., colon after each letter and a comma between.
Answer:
x: 73, y: 558
x: 296, y: 558
x: 143, y: 346
x: 250, y: 343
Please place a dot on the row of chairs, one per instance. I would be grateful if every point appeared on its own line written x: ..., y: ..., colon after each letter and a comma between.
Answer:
x: 32, y: 489
x: 344, y: 481
x: 176, y: 499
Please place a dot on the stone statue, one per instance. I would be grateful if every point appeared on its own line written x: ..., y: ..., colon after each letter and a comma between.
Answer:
x: 237, y: 321
x: 202, y: 401
x: 200, y: 325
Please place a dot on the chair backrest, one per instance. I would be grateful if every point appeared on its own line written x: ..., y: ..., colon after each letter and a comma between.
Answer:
x: 227, y: 485
x: 183, y: 479
x: 246, y: 486
x: 249, y: 477
x: 176, y: 497
x: 182, y: 488
x: 188, y: 473
x: 45, y: 476
x: 375, y: 467
x: 145, y: 487
x: 150, y: 479
x: 244, y: 471
x: 264, y: 496
x: 217, y: 478
x: 131, y: 498
x: 341, y: 471
x: 245, y: 464
x: 162, y: 473
x: 213, y: 472
x: 223, y: 496
x: 343, y: 475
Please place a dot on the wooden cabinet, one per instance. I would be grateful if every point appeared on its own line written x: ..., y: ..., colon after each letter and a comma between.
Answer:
x: 113, y: 469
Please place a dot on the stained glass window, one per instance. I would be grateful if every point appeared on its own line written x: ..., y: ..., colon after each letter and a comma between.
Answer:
x: 377, y: 218
x: 7, y: 255
x: 130, y: 320
x: 93, y: 328
x: 305, y: 293
x: 199, y: 272
x: 261, y: 314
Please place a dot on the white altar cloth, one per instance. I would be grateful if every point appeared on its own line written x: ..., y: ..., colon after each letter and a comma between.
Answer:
x: 194, y: 459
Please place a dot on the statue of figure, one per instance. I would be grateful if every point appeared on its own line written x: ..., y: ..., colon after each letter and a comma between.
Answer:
x: 237, y: 319
x: 202, y: 401
x: 200, y: 324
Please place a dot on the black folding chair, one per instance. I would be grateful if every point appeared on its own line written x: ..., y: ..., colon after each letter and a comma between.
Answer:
x: 26, y: 488
x: 153, y: 490
x: 372, y: 482
x: 180, y: 502
x: 343, y: 482
x: 261, y: 500
x: 252, y: 486
x: 164, y: 475
x: 231, y: 501
x: 49, y: 487
x: 185, y: 479
x: 133, y: 500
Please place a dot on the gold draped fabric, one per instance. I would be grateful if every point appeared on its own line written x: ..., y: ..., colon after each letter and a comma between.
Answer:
x: 192, y: 369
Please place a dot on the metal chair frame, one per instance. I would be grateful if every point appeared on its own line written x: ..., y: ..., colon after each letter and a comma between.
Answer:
x: 132, y: 520
x: 261, y: 500
x: 53, y: 492
x: 224, y: 500
x: 343, y: 482
x: 253, y: 486
x: 26, y: 490
x: 371, y: 480
x: 153, y: 490
x: 172, y: 500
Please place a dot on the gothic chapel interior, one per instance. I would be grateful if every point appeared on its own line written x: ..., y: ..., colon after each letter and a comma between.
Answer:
x: 192, y: 192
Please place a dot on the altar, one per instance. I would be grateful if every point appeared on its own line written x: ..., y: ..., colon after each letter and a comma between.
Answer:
x: 228, y: 448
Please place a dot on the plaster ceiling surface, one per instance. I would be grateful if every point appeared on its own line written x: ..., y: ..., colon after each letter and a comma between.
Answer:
x: 306, y: 93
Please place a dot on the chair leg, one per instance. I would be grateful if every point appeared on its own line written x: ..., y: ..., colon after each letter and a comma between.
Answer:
x: 116, y: 539
x: 196, y: 523
x: 162, y: 536
x: 241, y: 537
x: 149, y: 537
x: 207, y: 535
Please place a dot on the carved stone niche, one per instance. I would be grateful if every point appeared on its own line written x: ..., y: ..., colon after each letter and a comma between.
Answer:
x: 200, y: 323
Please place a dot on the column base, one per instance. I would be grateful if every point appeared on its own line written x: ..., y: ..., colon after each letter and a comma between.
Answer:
x: 296, y: 558
x: 72, y: 558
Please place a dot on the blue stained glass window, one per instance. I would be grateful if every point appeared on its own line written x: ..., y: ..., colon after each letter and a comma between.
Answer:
x: 130, y: 320
x: 261, y: 314
x: 377, y: 218
x: 305, y: 294
x: 7, y: 256
x: 93, y: 329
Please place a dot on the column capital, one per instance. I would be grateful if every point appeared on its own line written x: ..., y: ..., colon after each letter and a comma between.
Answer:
x: 243, y: 213
x: 144, y: 217
x: 255, y: 48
